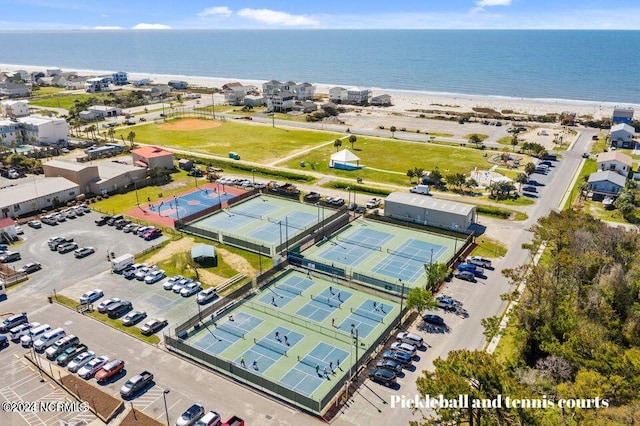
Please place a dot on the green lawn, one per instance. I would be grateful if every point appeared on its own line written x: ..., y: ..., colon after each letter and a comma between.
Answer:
x: 505, y: 140
x: 394, y: 158
x: 480, y: 135
x: 253, y: 142
x: 599, y: 145
x: 487, y: 247
x: 64, y: 101
x: 590, y: 166
x: 44, y: 91
x: 518, y: 201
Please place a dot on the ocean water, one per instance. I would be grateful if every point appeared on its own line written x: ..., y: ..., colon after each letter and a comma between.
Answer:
x: 576, y: 65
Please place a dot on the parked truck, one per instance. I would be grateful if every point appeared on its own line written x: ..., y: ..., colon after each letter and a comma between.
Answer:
x: 234, y: 421
x: 121, y: 262
x: 420, y: 189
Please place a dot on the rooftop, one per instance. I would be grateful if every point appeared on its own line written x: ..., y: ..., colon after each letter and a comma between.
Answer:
x: 624, y: 126
x: 151, y: 152
x: 609, y: 175
x: 615, y: 156
x: 68, y: 165
x: 37, y: 188
x: 430, y: 203
x: 111, y: 169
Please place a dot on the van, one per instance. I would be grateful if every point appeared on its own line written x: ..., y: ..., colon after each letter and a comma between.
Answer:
x: 119, y: 308
x: 210, y: 419
x: 420, y: 189
x: 13, y: 321
x: 61, y: 345
x: 9, y: 256
x: 410, y: 338
x: 34, y: 334
x: 48, y: 339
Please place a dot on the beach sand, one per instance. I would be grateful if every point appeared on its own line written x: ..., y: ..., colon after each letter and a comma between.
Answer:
x: 402, y: 100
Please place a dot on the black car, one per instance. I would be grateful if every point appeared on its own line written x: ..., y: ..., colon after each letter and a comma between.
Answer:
x: 103, y: 220
x: 119, y: 308
x: 312, y: 197
x: 391, y: 365
x: 533, y: 182
x: 433, y: 319
x: 529, y: 188
x: 382, y: 376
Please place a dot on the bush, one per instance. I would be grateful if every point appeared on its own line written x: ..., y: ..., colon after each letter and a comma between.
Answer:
x: 359, y: 188
x: 494, y: 211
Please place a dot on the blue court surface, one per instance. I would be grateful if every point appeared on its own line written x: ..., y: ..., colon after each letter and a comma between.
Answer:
x: 316, y: 367
x: 359, y: 246
x: 219, y: 338
x: 283, y: 293
x: 191, y: 203
x: 281, y: 228
x: 269, y: 349
x: 407, y: 261
x: 235, y: 218
x: 324, y: 304
x: 366, y: 317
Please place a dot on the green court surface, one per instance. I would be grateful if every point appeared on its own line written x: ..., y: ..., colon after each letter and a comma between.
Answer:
x: 297, y: 333
x: 381, y: 253
x: 263, y: 220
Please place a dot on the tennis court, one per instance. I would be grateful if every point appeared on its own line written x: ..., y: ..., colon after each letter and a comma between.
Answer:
x: 297, y: 333
x: 263, y: 220
x: 385, y: 252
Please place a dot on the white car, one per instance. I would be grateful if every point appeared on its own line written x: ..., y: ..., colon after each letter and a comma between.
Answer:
x: 154, y: 276
x: 205, y: 296
x: 144, y: 271
x: 190, y: 289
x: 168, y: 285
x: 80, y: 360
x: 102, y: 307
x: 479, y: 261
x: 92, y: 367
x: 16, y: 333
x: 91, y: 296
x: 19, y: 230
x: 404, y: 347
x: 178, y: 286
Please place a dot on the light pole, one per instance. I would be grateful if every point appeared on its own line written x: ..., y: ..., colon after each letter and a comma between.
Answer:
x: 401, y: 300
x: 253, y: 176
x: 349, y: 195
x: 166, y: 411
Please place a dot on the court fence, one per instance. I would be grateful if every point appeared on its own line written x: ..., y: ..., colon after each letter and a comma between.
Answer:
x: 179, y: 223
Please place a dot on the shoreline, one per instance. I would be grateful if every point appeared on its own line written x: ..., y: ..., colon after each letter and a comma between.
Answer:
x: 403, y: 100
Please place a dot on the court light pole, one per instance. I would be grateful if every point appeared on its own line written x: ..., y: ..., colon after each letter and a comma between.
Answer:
x: 253, y: 176
x: 166, y: 411
x: 401, y: 300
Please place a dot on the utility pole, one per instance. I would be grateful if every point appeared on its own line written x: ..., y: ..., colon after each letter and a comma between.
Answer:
x: 401, y: 300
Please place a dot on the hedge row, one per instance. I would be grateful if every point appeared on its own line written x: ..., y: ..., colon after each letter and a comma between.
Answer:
x: 494, y: 211
x: 359, y: 188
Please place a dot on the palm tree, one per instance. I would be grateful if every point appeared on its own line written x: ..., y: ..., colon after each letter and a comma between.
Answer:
x: 411, y: 174
x: 337, y: 143
x: 530, y: 168
x: 436, y: 273
x: 522, y: 178
x: 92, y: 129
x: 111, y: 133
x: 352, y: 140
x: 130, y: 137
x: 514, y: 141
x: 392, y: 129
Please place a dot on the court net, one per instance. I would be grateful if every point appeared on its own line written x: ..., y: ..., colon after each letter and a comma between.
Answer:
x: 307, y: 362
x: 285, y: 223
x: 273, y: 347
x: 231, y: 330
x: 241, y: 213
x: 404, y: 254
x: 289, y: 289
x: 358, y: 243
x: 326, y: 301
x: 368, y: 315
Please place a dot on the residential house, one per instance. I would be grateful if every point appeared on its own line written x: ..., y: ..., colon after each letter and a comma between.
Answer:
x: 305, y: 91
x: 75, y: 82
x: 253, y: 100
x: 305, y: 107
x: 178, y: 84
x: 381, y: 100
x: 159, y: 92
x: 141, y: 82
x: 357, y: 96
x: 58, y: 80
x: 53, y: 71
x: 606, y: 182
x: 234, y: 93
x: 281, y: 102
x: 615, y: 161
x: 14, y: 109
x: 271, y: 87
x: 622, y: 135
x: 120, y: 78
x: 337, y: 95
x: 97, y: 84
x: 622, y: 115
x: 15, y: 90
x: 34, y: 130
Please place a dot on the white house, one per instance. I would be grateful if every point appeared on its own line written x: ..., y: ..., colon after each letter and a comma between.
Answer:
x: 97, y: 84
x: 615, y: 161
x: 271, y: 87
x: 381, y: 100
x: 34, y: 129
x: 337, y: 95
x: 253, y: 100
x: 305, y: 91
x: 14, y: 109
x: 622, y: 135
x: 357, y: 96
x: 281, y: 102
x: 234, y: 93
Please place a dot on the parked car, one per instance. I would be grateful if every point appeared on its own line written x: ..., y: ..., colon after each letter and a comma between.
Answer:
x: 102, y: 307
x: 10, y: 256
x: 400, y: 357
x: 152, y: 326
x: 135, y: 384
x: 206, y: 295
x: 130, y: 271
x: 585, y: 155
x: 168, y: 284
x: 31, y: 267
x: 410, y: 338
x: 70, y: 353
x: 154, y: 276
x: 404, y: 347
x: 91, y: 296
x: 352, y: 207
x: 33, y: 334
x: 191, y: 416
x: 312, y: 197
x: 150, y: 235
x: 144, y: 271
x: 115, y: 310
x: 114, y: 219
x: 103, y: 220
x: 360, y: 209
x: 475, y: 270
x: 81, y: 359
x: 36, y: 224
x: 433, y: 319
x: 178, y: 286
x: 67, y: 247
x: 18, y: 331
x: 109, y: 370
x: 466, y: 276
x: 479, y: 261
x: 529, y: 188
x: 382, y: 376
x: 373, y: 203
x: 129, y: 227
x: 133, y: 317
x: 391, y: 365
x: 13, y: 321
x: 191, y: 289
x: 446, y: 303
x: 83, y: 252
x: 61, y: 345
x: 89, y: 369
x: 4, y: 341
x: 212, y: 418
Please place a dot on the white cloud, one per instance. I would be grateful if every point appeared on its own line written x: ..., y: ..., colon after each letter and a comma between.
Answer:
x: 274, y: 17
x: 217, y: 11
x: 104, y: 15
x: 485, y: 3
x: 144, y: 26
x: 107, y: 27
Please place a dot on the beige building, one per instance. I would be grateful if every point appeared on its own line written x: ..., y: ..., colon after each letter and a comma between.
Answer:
x: 24, y: 198
x: 153, y: 156
x: 430, y: 211
x: 98, y: 177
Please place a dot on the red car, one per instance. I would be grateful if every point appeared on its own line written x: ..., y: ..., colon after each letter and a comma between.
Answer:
x: 110, y: 369
x: 150, y: 235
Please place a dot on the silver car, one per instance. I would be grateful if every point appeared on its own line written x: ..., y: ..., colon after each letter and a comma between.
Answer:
x: 88, y: 370
x: 80, y: 360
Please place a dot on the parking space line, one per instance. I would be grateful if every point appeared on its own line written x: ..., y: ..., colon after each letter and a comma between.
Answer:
x: 170, y: 407
x: 23, y: 381
x: 34, y: 389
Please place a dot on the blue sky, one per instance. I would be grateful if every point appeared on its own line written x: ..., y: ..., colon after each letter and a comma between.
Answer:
x: 324, y: 14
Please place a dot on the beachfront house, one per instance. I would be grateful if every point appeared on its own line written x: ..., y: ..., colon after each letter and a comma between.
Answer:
x: 97, y: 84
x: 50, y: 72
x: 271, y: 87
x: 622, y: 115
x: 75, y: 82
x: 120, y: 78
x: 358, y: 96
x: 178, y: 84
x: 381, y: 100
x: 14, y: 109
x: 615, y: 161
x: 622, y: 135
x: 253, y: 100
x: 234, y: 93
x: 337, y: 95
x: 15, y: 90
x: 281, y: 102
x: 141, y: 82
x: 305, y: 91
x: 605, y: 183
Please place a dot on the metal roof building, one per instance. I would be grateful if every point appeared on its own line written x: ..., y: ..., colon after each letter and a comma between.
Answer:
x: 426, y: 210
x: 37, y: 194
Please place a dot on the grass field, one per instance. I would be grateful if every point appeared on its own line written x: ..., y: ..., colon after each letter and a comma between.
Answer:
x: 64, y: 101
x: 44, y: 91
x: 393, y: 158
x: 590, y: 166
x: 253, y: 142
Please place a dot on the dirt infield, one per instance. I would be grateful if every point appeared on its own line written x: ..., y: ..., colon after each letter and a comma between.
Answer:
x: 189, y: 124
